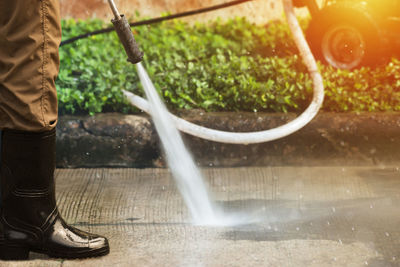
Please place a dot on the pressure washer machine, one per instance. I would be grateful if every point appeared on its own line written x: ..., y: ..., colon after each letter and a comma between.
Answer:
x: 348, y: 34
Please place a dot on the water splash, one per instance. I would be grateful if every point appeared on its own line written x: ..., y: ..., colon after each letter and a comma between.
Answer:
x: 186, y: 174
x: 188, y: 178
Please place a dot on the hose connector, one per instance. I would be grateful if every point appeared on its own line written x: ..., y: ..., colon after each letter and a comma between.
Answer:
x: 125, y: 35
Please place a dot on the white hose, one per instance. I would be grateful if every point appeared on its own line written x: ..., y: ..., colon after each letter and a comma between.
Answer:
x: 260, y: 136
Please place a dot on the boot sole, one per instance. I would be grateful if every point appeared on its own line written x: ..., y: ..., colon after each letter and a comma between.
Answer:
x: 18, y: 253
x: 77, y: 255
x: 13, y: 253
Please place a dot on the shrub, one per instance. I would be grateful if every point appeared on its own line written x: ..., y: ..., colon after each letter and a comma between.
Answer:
x: 219, y: 66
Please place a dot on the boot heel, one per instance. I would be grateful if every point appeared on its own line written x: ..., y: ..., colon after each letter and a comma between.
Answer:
x: 8, y: 252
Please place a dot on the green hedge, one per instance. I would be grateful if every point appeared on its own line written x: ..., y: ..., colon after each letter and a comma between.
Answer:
x: 219, y: 66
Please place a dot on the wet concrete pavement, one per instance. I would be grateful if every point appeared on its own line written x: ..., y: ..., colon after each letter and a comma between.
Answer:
x: 305, y: 216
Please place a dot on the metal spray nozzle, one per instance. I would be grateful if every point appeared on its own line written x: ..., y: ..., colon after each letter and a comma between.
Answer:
x: 125, y: 35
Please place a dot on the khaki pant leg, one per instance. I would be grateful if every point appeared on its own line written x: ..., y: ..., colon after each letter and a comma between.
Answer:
x: 30, y: 33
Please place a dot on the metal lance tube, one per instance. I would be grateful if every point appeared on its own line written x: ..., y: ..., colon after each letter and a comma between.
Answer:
x: 125, y: 35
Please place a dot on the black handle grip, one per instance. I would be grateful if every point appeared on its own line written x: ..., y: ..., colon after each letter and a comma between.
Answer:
x: 128, y: 41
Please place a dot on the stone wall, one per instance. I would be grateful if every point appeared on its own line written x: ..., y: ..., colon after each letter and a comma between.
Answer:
x: 342, y: 139
x: 259, y: 11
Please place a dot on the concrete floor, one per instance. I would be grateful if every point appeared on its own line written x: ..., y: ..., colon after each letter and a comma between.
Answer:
x: 311, y: 216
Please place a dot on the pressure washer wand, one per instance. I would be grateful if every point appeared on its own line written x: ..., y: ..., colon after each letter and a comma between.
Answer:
x: 125, y: 35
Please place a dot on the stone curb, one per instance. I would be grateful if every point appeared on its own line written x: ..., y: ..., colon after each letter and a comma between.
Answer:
x: 117, y: 140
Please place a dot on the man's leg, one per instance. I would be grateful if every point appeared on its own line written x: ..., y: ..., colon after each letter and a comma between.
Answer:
x: 30, y: 33
x: 29, y: 219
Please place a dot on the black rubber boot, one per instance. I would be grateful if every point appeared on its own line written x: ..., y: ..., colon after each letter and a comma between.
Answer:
x: 29, y: 218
